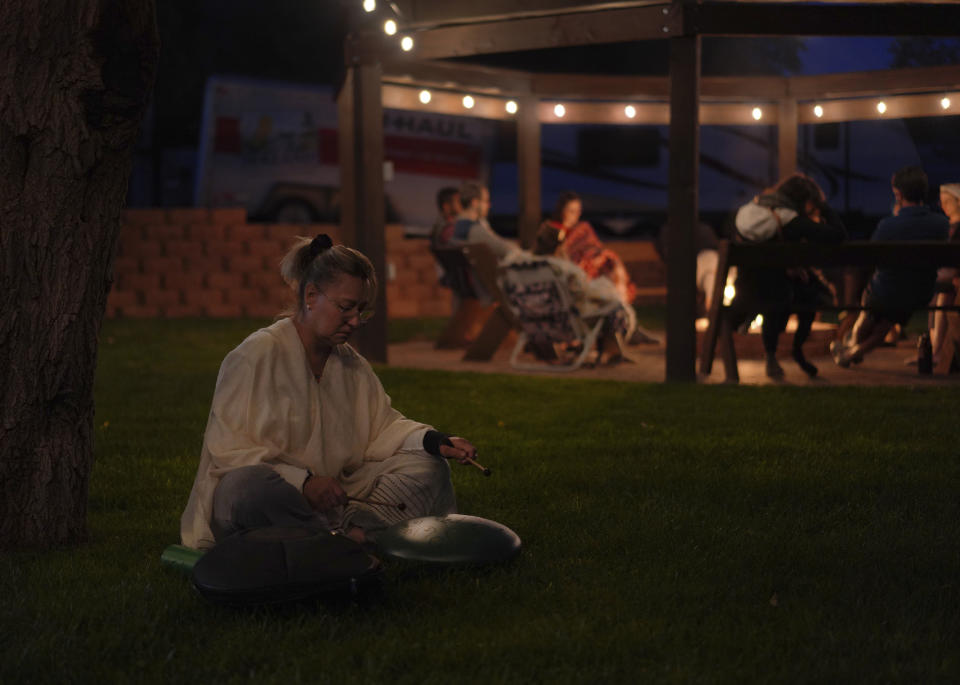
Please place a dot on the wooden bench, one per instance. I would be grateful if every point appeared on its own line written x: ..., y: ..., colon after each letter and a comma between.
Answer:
x: 787, y: 255
x: 471, y: 272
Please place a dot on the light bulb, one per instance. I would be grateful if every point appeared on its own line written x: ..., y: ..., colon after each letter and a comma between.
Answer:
x: 630, y: 111
x: 389, y: 27
x: 818, y: 111
x: 468, y: 101
x: 881, y: 107
x: 511, y: 107
x: 945, y: 103
x: 425, y: 96
x: 369, y: 5
x: 406, y: 43
x: 559, y: 110
x: 757, y: 113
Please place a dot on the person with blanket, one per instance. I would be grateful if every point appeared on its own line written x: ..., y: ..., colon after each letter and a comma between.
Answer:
x: 300, y: 425
x: 566, y: 236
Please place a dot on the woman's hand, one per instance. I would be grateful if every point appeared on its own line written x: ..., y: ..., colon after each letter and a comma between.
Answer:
x: 461, y: 450
x: 324, y: 493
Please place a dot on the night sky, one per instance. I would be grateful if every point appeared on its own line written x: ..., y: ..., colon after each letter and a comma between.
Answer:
x: 830, y: 55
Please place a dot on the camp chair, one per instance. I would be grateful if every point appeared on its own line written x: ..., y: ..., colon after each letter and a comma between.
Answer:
x: 544, y: 309
x: 471, y: 310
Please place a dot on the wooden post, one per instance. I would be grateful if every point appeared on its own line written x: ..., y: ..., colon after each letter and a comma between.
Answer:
x: 345, y: 140
x: 362, y: 191
x: 683, y: 207
x: 787, y: 137
x: 528, y: 171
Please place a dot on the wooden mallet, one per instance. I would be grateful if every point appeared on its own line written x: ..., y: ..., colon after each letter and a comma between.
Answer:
x: 483, y: 468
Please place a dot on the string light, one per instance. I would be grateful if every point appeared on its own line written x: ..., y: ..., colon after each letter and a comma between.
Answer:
x: 389, y: 27
x: 629, y: 111
x: 406, y: 43
x: 369, y: 5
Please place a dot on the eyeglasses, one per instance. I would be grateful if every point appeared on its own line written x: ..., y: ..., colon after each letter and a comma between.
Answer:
x: 350, y: 311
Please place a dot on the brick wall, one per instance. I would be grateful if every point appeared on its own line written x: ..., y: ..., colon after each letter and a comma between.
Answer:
x: 211, y: 262
x: 647, y: 270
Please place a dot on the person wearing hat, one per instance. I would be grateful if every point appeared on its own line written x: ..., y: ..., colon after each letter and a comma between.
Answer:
x: 950, y: 204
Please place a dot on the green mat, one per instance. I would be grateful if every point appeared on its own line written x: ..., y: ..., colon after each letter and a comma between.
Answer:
x: 180, y: 558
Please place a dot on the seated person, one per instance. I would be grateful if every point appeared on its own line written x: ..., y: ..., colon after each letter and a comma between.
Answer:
x: 448, y: 206
x: 893, y: 294
x: 566, y: 236
x: 795, y: 210
x: 578, y: 242
x: 472, y: 227
x: 300, y: 427
x: 705, y: 243
x: 946, y: 292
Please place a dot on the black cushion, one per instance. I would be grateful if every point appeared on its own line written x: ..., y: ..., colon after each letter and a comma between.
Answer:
x: 274, y: 564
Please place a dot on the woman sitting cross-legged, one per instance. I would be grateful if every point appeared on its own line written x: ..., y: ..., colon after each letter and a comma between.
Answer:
x: 300, y: 425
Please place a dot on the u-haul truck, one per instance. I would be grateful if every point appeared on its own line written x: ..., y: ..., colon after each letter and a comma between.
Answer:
x: 272, y: 147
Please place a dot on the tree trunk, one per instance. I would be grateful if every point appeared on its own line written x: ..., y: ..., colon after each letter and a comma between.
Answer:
x: 75, y: 77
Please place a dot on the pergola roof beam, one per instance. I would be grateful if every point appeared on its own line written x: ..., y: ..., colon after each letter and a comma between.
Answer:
x: 886, y: 81
x: 437, y: 74
x: 419, y: 14
x: 515, y: 83
x: 797, y: 19
x: 624, y: 22
x: 588, y: 27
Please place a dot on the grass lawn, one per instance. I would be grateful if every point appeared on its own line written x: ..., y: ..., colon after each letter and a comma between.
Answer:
x: 671, y: 534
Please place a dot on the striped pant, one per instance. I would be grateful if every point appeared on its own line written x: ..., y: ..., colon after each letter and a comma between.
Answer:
x: 255, y: 496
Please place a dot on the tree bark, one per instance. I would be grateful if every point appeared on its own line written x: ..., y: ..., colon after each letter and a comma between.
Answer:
x: 75, y: 78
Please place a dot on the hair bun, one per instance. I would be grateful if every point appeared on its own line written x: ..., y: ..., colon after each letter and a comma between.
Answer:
x: 319, y: 244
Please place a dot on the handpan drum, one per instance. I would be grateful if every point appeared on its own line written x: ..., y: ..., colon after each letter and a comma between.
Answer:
x: 451, y: 539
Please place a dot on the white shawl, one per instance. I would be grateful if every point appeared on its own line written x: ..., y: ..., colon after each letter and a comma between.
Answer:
x: 267, y: 408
